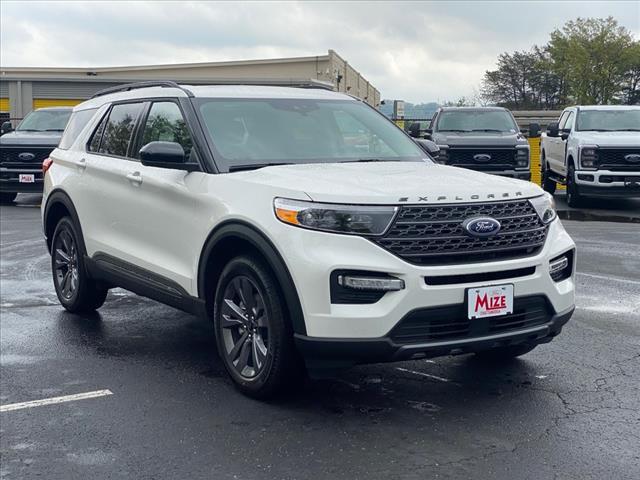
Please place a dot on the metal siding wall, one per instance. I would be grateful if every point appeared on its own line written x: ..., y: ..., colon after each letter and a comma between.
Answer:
x: 4, y: 88
x: 68, y: 90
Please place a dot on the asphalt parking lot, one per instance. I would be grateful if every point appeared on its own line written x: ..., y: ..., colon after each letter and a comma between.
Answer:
x: 568, y: 410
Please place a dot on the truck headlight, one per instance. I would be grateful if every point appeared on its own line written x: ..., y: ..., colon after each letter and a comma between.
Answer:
x: 545, y: 207
x: 589, y: 156
x: 522, y: 156
x: 329, y: 217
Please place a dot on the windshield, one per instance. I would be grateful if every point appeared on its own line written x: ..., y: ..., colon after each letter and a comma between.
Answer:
x: 609, y: 120
x: 246, y: 132
x: 476, y: 121
x: 45, y: 121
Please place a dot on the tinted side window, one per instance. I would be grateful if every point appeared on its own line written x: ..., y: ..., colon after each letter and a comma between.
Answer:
x: 165, y: 123
x: 96, y: 137
x: 77, y: 122
x: 119, y: 128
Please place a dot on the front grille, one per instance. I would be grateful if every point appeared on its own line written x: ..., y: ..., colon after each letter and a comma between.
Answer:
x: 10, y: 156
x: 501, y: 158
x: 613, y: 159
x: 433, y: 234
x: 450, y: 322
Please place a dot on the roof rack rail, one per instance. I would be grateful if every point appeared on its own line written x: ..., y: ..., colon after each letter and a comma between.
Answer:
x: 133, y: 86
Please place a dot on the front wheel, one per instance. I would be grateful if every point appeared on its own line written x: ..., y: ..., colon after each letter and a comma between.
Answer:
x: 7, y: 197
x: 574, y: 199
x: 76, y: 290
x: 253, y: 334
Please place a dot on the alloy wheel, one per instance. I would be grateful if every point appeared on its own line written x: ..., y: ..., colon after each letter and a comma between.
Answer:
x: 66, y: 264
x: 245, y: 326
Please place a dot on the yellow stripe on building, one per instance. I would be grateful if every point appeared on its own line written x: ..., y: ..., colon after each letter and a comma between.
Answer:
x: 5, y: 106
x: 55, y: 102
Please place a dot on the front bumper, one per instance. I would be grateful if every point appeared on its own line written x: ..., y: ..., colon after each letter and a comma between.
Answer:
x: 608, y: 183
x: 328, y: 354
x: 10, y: 180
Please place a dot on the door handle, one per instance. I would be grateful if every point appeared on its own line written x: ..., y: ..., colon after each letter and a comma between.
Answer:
x: 82, y: 164
x: 135, y: 178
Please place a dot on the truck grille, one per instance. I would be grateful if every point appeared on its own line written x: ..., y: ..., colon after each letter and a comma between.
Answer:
x: 613, y: 159
x: 500, y: 158
x: 433, y: 234
x: 10, y: 156
x: 450, y: 322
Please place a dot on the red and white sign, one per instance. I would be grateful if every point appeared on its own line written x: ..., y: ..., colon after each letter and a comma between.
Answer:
x: 490, y: 301
x: 27, y: 178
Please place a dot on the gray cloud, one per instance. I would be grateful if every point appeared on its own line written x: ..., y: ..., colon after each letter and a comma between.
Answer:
x: 411, y: 50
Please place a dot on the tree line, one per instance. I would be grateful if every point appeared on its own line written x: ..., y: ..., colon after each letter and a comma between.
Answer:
x: 587, y: 61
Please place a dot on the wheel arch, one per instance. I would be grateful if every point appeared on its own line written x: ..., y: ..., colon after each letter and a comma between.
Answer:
x: 234, y: 237
x: 60, y: 205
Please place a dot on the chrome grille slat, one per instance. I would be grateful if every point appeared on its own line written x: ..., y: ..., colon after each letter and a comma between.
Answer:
x: 433, y: 234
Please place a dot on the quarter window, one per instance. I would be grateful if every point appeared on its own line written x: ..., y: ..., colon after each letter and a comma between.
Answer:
x: 76, y: 124
x: 563, y: 120
x: 165, y: 123
x: 119, y: 129
x: 569, y: 123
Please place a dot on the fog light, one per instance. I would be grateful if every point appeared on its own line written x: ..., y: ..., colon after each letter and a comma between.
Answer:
x: 371, y: 283
x: 560, y: 267
x: 586, y: 178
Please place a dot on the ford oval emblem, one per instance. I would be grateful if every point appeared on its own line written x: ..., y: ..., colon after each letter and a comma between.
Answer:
x: 481, y: 226
x: 26, y: 156
x: 632, y: 157
x: 482, y: 157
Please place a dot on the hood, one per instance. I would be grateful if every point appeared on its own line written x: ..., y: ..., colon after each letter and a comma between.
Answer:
x: 45, y: 139
x: 390, y: 183
x: 479, y: 139
x: 609, y: 139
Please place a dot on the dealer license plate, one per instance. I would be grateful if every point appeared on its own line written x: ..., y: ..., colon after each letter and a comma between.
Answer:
x: 27, y: 178
x: 489, y: 301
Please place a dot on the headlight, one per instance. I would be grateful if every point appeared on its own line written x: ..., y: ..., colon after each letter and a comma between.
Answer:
x: 588, y: 156
x: 328, y: 217
x: 545, y: 207
x: 522, y: 156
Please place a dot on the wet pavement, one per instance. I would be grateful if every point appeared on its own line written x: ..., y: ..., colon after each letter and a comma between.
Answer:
x: 568, y: 410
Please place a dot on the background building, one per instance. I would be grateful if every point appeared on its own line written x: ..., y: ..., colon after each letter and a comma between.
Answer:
x: 23, y: 89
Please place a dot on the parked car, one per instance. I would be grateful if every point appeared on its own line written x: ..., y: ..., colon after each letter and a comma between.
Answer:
x: 485, y: 139
x: 309, y: 247
x: 594, y: 151
x: 22, y: 151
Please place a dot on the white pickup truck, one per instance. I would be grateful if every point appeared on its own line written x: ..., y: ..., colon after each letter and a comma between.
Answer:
x: 594, y: 151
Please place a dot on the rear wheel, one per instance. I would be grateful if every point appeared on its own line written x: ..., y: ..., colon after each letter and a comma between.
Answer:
x: 548, y: 185
x: 505, y: 353
x: 574, y: 199
x: 7, y: 197
x: 253, y: 335
x: 76, y: 291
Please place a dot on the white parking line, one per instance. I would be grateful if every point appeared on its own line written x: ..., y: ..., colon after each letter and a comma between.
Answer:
x: 53, y: 400
x: 428, y: 375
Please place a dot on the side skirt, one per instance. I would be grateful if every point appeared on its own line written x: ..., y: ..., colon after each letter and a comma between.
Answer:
x: 118, y: 273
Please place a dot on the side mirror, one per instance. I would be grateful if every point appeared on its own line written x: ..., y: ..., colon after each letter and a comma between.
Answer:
x: 428, y: 132
x: 564, y: 134
x: 552, y: 130
x: 428, y: 146
x: 534, y: 130
x: 6, y: 128
x: 166, y: 155
x: 414, y: 130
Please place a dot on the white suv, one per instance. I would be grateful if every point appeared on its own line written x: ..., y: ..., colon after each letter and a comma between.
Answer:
x: 313, y: 232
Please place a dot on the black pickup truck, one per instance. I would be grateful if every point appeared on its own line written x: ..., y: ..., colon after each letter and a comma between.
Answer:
x: 485, y: 139
x: 22, y: 151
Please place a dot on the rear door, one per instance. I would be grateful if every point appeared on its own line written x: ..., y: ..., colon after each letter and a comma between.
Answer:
x: 108, y: 225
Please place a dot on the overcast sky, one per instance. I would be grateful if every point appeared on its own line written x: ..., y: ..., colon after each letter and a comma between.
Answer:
x: 413, y: 51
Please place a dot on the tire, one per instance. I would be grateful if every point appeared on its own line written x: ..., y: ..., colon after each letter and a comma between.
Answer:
x: 253, y: 334
x: 548, y: 185
x: 505, y: 353
x: 76, y: 290
x: 574, y: 199
x: 7, y: 197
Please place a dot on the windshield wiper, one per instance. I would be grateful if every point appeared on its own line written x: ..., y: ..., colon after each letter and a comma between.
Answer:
x: 254, y: 166
x: 453, y: 130
x: 54, y: 130
x: 628, y: 130
x: 369, y: 160
x: 487, y: 130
